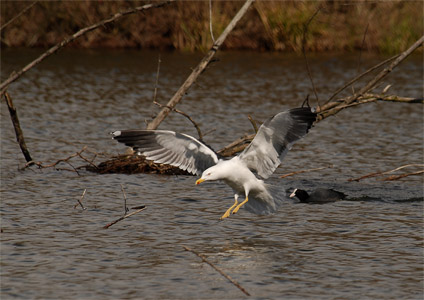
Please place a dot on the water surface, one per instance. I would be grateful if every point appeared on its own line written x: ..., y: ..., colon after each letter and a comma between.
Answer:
x: 367, y: 248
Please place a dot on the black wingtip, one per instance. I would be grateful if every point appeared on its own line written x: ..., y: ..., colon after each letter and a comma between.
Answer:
x: 304, y: 114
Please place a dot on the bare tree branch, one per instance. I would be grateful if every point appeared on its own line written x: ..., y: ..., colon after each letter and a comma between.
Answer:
x: 18, y: 15
x: 199, y: 69
x: 360, y: 76
x: 390, y: 171
x: 334, y: 107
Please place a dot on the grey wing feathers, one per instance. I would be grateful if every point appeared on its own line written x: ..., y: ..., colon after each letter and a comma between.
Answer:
x: 275, y: 137
x: 168, y: 147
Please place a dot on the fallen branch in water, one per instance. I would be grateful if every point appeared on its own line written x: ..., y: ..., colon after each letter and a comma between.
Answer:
x: 18, y: 131
x: 15, y: 75
x: 41, y: 166
x: 91, y: 167
x: 141, y: 208
x: 241, y: 143
x: 396, y: 177
x: 125, y: 201
x: 360, y: 76
x: 305, y: 171
x: 80, y: 201
x: 393, y: 177
x: 218, y: 270
x: 332, y: 108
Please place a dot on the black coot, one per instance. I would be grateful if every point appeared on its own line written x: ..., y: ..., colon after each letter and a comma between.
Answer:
x: 318, y: 196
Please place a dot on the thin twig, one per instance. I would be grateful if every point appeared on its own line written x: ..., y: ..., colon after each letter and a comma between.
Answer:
x: 157, y: 80
x: 15, y: 75
x: 253, y: 122
x: 89, y: 161
x: 356, y: 78
x: 332, y: 109
x: 41, y: 166
x: 362, y: 47
x: 124, y: 217
x: 218, y: 270
x: 385, y: 172
x: 18, y: 131
x: 199, y: 69
x: 75, y: 169
x: 125, y: 201
x: 305, y: 30
x: 304, y: 171
x: 199, y: 132
x: 210, y: 21
x: 80, y: 201
x: 18, y: 15
x: 396, y: 177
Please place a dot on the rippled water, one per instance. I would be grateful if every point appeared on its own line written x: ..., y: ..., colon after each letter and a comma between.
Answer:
x: 366, y: 248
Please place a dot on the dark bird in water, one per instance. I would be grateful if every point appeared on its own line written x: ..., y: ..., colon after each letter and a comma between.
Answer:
x: 318, y: 196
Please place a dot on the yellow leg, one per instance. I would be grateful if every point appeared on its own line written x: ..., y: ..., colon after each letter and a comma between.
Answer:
x: 240, y: 205
x: 227, y: 213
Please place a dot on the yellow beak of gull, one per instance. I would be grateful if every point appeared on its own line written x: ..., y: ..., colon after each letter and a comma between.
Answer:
x: 200, y: 180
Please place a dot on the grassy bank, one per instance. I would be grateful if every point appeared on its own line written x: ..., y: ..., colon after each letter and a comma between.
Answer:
x: 268, y: 26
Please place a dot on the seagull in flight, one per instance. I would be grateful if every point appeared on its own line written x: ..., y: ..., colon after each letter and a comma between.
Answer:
x: 243, y: 173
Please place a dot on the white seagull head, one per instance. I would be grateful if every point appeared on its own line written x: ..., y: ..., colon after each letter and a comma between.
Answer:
x: 212, y: 173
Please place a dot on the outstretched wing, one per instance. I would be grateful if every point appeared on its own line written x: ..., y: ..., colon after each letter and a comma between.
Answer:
x: 275, y: 137
x: 168, y: 147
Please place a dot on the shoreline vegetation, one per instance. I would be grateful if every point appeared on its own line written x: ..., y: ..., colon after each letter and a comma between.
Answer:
x: 285, y: 26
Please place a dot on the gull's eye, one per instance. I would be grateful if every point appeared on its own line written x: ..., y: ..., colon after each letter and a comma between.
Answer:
x: 208, y: 174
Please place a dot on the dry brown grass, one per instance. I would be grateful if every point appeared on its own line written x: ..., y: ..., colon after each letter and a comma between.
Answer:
x: 269, y: 25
